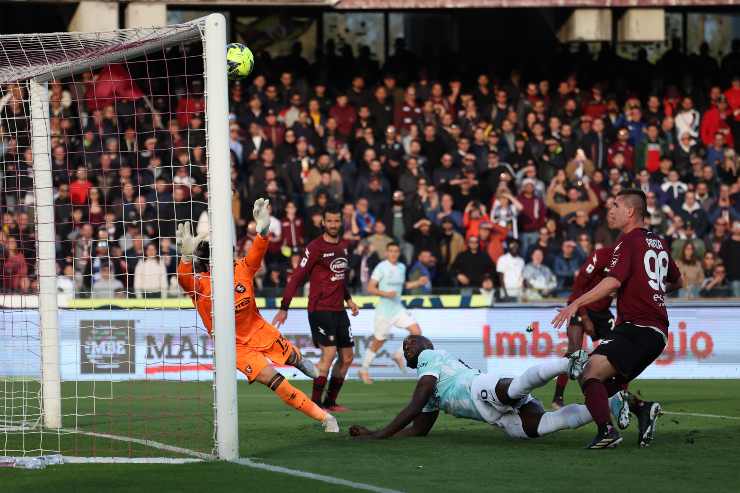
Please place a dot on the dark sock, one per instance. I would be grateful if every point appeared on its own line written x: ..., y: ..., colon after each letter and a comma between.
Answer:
x: 612, y: 387
x: 634, y: 403
x: 318, y: 389
x: 560, y: 385
x: 597, y: 402
x: 335, y: 385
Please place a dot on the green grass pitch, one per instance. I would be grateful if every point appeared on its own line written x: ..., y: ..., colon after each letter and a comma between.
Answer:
x: 691, y: 453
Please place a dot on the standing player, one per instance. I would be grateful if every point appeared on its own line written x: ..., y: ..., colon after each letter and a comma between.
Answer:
x: 387, y: 281
x: 596, y: 319
x: 447, y: 383
x: 256, y: 340
x: 325, y: 262
x: 642, y: 272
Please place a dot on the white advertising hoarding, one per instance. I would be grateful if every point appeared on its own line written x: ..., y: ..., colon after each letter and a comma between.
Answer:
x: 171, y: 344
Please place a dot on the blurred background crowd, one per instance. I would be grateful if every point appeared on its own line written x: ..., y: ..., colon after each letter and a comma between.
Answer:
x: 492, y: 183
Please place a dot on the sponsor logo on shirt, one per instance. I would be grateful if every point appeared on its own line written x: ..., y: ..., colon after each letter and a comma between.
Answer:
x: 338, y: 265
x: 329, y: 254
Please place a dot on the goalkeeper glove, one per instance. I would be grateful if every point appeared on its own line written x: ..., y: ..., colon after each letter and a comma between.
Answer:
x: 261, y: 215
x: 186, y: 242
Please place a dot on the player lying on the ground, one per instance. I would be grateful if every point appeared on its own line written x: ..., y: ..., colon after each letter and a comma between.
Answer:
x: 256, y: 339
x: 642, y: 272
x: 597, y: 321
x: 388, y: 281
x: 447, y: 383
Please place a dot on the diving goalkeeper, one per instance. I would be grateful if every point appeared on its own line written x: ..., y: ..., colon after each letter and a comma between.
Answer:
x: 257, y: 341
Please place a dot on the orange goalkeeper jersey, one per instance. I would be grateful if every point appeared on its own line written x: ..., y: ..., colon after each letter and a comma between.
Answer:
x: 248, y: 318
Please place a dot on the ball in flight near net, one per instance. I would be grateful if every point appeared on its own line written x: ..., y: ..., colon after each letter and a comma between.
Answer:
x: 239, y: 60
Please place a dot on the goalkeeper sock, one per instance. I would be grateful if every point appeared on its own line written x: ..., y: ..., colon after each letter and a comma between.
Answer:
x: 335, y: 385
x: 298, y: 400
x: 318, y: 389
x: 368, y: 359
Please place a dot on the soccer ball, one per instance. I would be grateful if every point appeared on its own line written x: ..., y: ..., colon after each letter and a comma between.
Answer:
x: 239, y: 60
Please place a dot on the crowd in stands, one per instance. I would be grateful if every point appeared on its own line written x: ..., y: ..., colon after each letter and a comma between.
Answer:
x: 491, y: 183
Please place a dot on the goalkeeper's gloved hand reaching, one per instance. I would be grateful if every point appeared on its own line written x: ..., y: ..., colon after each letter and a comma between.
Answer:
x: 261, y: 213
x: 186, y: 242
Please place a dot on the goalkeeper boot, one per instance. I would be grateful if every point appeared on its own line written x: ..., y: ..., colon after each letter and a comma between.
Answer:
x: 578, y: 361
x: 620, y: 409
x: 607, y: 437
x: 330, y: 424
x: 647, y: 419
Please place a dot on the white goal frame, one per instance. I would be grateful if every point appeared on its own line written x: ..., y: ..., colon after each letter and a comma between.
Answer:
x: 212, y: 31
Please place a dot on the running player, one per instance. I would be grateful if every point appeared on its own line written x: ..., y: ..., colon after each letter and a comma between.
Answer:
x: 642, y: 272
x: 387, y: 281
x: 596, y: 319
x: 256, y: 340
x: 325, y: 263
x: 447, y: 383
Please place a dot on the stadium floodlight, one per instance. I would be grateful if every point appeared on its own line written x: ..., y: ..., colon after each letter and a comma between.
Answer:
x: 136, y: 375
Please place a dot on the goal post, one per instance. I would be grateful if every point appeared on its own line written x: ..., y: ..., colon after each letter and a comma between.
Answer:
x: 51, y: 383
x: 42, y: 392
x: 222, y: 251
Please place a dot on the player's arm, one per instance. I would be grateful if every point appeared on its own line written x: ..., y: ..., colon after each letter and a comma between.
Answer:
x: 423, y: 392
x: 372, y: 288
x: 350, y: 302
x: 421, y: 426
x: 674, y: 280
x: 296, y: 280
x: 601, y: 290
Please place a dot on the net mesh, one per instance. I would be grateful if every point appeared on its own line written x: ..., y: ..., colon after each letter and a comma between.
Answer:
x: 126, y: 128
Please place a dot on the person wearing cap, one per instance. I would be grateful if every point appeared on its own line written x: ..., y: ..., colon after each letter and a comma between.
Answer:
x: 622, y: 146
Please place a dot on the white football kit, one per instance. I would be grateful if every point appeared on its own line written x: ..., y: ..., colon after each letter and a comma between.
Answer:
x: 390, y: 312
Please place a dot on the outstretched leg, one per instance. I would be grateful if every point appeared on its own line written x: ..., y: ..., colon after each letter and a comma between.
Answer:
x: 535, y: 377
x: 296, y: 399
x: 370, y: 353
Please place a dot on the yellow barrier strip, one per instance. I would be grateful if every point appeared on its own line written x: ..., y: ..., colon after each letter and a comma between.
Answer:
x: 411, y: 301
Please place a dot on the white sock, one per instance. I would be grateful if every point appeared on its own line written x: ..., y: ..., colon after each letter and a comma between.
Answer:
x: 571, y: 416
x: 368, y: 359
x: 536, y: 377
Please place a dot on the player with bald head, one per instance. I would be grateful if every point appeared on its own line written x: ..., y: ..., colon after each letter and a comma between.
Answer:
x: 642, y: 272
x: 446, y: 383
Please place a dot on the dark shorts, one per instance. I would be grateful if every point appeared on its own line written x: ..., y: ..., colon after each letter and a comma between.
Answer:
x: 630, y: 349
x: 603, y: 323
x: 331, y: 329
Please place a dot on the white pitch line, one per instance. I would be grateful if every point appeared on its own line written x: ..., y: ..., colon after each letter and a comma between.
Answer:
x: 127, y: 460
x: 702, y: 415
x: 148, y: 443
x: 209, y: 457
x: 311, y: 475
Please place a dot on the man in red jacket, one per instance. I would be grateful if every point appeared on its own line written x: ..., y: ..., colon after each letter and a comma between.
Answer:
x: 717, y: 119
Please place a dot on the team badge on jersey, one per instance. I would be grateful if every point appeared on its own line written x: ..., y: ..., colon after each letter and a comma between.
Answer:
x: 240, y: 288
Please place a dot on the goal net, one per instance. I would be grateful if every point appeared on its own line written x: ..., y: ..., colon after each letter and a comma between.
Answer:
x: 108, y: 141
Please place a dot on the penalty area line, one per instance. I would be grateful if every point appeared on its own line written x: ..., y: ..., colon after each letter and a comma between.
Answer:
x: 311, y: 475
x: 702, y: 415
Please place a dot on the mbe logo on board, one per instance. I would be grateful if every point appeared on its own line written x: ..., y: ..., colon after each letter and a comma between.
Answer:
x: 107, y: 346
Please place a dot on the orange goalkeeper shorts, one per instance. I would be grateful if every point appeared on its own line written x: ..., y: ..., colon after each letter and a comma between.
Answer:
x: 267, y: 345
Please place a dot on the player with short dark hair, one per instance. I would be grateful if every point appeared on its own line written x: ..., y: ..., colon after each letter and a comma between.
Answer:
x: 642, y: 271
x: 325, y: 262
x: 387, y: 282
x: 596, y: 319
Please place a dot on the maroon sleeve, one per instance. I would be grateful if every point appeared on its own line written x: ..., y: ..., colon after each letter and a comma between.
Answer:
x: 299, y: 275
x: 620, y: 266
x: 674, y: 273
